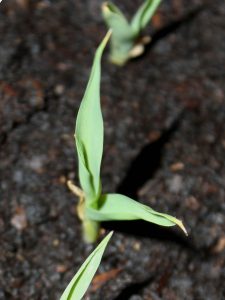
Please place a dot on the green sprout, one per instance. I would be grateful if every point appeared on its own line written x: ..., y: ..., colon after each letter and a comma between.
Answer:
x: 126, y: 42
x: 94, y: 206
x: 82, y: 279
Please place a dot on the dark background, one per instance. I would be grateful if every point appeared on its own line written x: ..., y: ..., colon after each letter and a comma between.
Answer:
x: 164, y: 119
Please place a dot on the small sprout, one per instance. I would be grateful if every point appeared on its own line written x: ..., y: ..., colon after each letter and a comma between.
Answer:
x: 81, y: 281
x: 94, y: 206
x: 126, y: 42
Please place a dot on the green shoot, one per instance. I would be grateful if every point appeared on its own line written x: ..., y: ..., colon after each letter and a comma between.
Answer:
x: 95, y: 207
x: 126, y: 42
x: 81, y: 281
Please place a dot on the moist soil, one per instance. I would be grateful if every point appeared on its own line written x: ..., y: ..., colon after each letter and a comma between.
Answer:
x: 164, y: 116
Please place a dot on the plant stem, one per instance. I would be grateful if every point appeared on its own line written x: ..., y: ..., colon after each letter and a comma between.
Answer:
x: 90, y: 230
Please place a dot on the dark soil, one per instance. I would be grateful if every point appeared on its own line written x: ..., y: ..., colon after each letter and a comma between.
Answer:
x: 164, y: 144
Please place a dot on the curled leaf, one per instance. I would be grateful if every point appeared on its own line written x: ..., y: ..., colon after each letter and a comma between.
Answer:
x: 126, y: 42
x: 89, y: 131
x: 122, y: 40
x: 120, y: 207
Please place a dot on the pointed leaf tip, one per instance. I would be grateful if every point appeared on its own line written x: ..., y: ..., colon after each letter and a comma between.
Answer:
x: 105, y: 40
x: 181, y: 225
x: 178, y: 222
x: 109, y: 235
x: 105, y: 7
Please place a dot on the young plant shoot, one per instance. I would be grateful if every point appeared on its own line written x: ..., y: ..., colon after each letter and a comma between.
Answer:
x: 94, y: 206
x: 126, y: 42
x: 81, y: 281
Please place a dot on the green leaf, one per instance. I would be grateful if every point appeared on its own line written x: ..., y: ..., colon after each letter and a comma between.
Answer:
x: 115, y: 20
x: 89, y: 131
x: 122, y: 40
x: 120, y: 207
x: 144, y: 15
x: 81, y: 281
